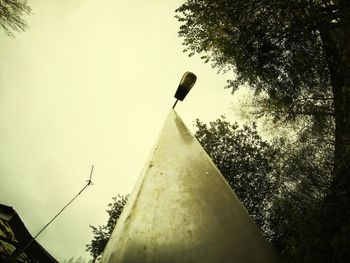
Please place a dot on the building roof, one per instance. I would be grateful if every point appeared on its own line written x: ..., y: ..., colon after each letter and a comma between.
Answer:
x: 19, y: 236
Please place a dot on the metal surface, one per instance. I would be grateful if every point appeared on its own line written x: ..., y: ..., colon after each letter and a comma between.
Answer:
x: 182, y: 210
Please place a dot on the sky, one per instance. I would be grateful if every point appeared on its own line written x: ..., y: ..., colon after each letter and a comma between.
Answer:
x: 91, y: 82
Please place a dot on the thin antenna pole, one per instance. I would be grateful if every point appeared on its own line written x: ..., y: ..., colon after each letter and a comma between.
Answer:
x: 89, y: 182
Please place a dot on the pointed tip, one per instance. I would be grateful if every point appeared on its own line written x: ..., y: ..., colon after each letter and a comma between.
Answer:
x: 182, y: 210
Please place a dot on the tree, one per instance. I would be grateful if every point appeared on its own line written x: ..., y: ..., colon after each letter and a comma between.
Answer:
x: 297, y: 53
x: 247, y: 163
x: 306, y: 166
x: 103, y: 233
x: 282, y: 183
x: 11, y: 15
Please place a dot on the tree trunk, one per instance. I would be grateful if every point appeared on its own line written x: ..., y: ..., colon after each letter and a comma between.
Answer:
x: 336, y: 213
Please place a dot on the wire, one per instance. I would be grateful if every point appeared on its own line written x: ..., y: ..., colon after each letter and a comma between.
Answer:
x: 14, y: 255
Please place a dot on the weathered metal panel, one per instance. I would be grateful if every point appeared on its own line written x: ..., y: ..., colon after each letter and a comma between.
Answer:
x: 182, y: 210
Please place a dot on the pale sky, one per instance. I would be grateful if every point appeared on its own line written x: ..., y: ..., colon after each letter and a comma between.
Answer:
x: 90, y: 83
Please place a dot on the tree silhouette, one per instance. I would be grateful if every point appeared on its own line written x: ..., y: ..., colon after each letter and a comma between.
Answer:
x: 296, y: 54
x: 11, y: 15
x: 101, y: 234
x: 282, y: 183
x: 246, y: 161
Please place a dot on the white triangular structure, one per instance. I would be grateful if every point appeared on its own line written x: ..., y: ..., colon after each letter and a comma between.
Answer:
x: 182, y: 210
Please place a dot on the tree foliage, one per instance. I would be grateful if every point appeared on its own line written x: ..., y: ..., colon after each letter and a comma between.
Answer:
x: 273, y: 46
x: 282, y: 183
x: 306, y: 167
x: 245, y: 160
x: 11, y: 15
x: 296, y: 54
x: 102, y: 233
